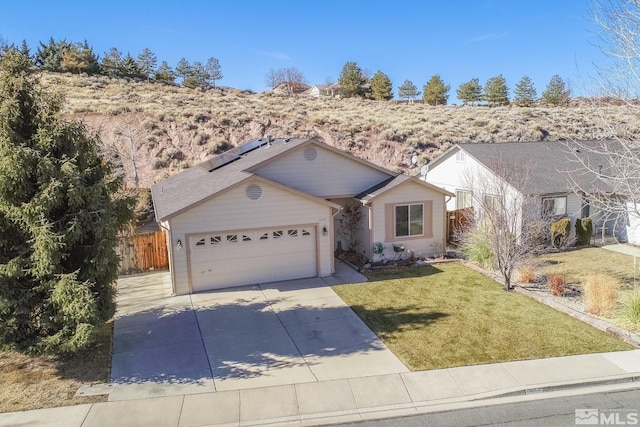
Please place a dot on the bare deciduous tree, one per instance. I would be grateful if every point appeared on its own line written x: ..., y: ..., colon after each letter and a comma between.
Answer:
x: 292, y: 80
x: 615, y: 196
x: 508, y: 226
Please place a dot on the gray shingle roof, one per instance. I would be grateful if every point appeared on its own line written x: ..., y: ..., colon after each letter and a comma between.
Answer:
x: 197, y: 183
x: 392, y: 182
x: 550, y: 166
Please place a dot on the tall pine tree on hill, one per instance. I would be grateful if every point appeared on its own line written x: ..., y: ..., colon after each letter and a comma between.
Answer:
x: 525, y: 93
x: 59, y: 219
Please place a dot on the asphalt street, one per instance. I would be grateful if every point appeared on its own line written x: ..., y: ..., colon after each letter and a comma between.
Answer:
x: 613, y: 408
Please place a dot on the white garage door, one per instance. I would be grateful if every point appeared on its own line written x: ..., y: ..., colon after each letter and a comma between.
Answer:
x: 235, y: 258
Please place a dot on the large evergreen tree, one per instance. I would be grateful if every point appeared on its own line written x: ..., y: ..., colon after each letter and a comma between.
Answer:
x: 496, y: 91
x: 213, y: 70
x: 351, y: 80
x: 165, y: 73
x: 381, y: 87
x: 147, y: 63
x: 556, y: 92
x: 80, y: 58
x: 49, y: 56
x: 112, y: 63
x: 58, y: 220
x: 435, y: 92
x: 408, y: 90
x: 525, y: 93
x: 130, y: 67
x: 470, y: 92
x: 183, y: 69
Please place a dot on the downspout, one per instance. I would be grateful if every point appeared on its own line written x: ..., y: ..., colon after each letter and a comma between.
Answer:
x: 332, y: 242
x: 445, y: 224
x: 368, y: 206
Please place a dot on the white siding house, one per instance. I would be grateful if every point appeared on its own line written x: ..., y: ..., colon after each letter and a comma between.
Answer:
x: 265, y: 212
x: 540, y: 170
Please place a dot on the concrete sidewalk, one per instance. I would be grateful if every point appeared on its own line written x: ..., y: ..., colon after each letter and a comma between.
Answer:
x: 354, y: 399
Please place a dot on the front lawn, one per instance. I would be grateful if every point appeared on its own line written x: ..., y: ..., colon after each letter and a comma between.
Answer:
x: 448, y: 315
x: 578, y: 263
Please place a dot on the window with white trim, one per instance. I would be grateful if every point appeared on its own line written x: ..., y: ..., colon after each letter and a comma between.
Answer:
x: 463, y: 199
x: 409, y: 220
x: 554, y: 206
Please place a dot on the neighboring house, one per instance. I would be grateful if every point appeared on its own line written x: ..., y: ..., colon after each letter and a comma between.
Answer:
x: 266, y: 211
x: 322, y: 90
x: 545, y: 170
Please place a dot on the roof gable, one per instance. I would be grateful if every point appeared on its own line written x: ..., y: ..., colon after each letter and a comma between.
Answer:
x: 396, y: 181
x: 541, y: 167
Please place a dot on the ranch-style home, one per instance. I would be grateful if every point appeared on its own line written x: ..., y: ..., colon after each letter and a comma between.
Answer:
x: 269, y: 210
x: 547, y: 170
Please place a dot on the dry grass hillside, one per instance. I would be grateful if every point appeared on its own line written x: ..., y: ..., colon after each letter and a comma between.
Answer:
x: 168, y: 128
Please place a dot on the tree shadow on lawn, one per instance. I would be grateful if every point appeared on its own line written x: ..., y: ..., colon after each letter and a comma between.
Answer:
x: 402, y: 273
x: 247, y: 338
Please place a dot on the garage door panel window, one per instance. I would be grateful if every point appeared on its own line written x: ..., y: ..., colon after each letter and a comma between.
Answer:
x: 200, y: 242
x: 215, y: 240
x: 306, y: 232
x: 232, y: 238
x: 278, y: 234
x: 264, y: 236
x: 293, y: 232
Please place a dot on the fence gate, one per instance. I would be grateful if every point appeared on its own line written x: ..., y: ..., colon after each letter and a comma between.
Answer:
x: 458, y: 220
x: 143, y: 252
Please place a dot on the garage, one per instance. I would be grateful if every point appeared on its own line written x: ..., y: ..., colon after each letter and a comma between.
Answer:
x: 244, y: 257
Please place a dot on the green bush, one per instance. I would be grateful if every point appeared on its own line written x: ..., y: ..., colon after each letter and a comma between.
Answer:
x: 477, y: 250
x: 631, y: 309
x: 584, y: 230
x: 560, y: 232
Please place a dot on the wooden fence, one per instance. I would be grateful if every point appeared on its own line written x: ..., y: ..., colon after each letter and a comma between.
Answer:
x: 457, y: 220
x: 143, y: 252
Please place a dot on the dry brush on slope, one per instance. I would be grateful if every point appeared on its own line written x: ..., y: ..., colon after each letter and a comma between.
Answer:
x: 159, y: 129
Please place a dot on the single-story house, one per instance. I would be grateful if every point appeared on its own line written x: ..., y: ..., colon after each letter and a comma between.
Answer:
x: 552, y: 172
x: 322, y: 90
x: 267, y: 211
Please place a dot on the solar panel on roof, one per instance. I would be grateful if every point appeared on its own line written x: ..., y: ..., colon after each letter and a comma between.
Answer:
x: 234, y: 154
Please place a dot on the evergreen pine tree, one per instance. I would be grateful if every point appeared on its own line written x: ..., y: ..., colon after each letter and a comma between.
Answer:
x: 525, y: 93
x: 496, y: 91
x: 470, y: 92
x: 556, y: 92
x: 351, y: 80
x: 381, y: 87
x: 59, y: 219
x: 130, y: 67
x: 49, y: 56
x: 147, y: 63
x: 214, y: 71
x: 183, y: 69
x: 408, y: 90
x: 165, y: 73
x: 435, y: 92
x: 112, y: 63
x: 25, y: 50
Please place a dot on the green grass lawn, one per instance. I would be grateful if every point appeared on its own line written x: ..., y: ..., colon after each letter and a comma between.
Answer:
x: 448, y: 315
x: 579, y: 263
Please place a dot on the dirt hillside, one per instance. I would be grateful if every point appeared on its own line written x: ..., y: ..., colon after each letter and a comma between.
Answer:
x: 155, y: 130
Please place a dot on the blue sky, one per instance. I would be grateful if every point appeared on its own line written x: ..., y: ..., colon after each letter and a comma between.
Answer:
x: 406, y: 39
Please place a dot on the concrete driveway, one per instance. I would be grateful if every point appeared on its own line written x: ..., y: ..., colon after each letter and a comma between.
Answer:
x: 254, y: 336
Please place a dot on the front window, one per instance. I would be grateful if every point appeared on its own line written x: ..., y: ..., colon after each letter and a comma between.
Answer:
x: 409, y: 220
x: 463, y: 199
x: 554, y: 206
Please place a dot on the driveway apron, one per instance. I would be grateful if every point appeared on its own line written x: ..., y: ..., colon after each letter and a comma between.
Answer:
x: 271, y: 334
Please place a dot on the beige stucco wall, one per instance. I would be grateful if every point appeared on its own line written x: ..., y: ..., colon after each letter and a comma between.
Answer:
x: 410, y: 192
x: 233, y: 210
x: 329, y: 175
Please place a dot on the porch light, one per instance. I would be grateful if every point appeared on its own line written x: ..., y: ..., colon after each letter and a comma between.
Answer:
x: 179, y: 245
x: 324, y: 230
